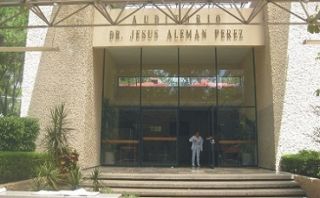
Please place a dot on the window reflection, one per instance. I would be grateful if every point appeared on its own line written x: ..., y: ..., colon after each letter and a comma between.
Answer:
x: 159, y: 76
x: 197, y: 76
x: 129, y: 81
x: 236, y: 136
x: 159, y: 136
x: 120, y: 135
x: 159, y: 82
x: 235, y: 76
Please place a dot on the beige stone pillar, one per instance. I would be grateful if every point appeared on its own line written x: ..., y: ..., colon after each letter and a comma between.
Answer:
x: 73, y: 77
x: 271, y: 72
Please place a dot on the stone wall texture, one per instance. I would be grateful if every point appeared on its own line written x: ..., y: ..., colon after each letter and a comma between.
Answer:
x: 271, y: 79
x: 298, y: 120
x: 69, y: 76
x: 287, y: 75
x: 35, y: 37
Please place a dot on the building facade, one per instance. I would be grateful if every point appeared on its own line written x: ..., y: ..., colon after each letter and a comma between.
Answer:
x: 138, y: 90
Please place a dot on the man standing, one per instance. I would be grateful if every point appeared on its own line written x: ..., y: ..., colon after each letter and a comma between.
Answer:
x: 197, y: 147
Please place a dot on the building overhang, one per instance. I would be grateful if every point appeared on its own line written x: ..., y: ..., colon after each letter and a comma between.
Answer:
x: 164, y: 7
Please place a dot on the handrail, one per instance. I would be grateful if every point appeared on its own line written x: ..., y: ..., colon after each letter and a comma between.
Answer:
x: 236, y: 141
x: 121, y: 141
x: 167, y: 139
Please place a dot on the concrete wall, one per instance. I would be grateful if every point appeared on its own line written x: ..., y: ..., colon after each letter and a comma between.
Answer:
x: 35, y: 37
x: 71, y: 76
x: 302, y: 79
x: 309, y: 185
x: 276, y: 60
x: 271, y: 64
x: 287, y: 76
x: 265, y: 123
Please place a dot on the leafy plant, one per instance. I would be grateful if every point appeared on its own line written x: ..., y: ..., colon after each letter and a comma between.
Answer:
x: 18, y: 134
x: 38, y: 183
x: 56, y: 137
x: 127, y: 195
x: 305, y: 162
x: 15, y: 166
x: 106, y: 190
x: 313, y: 24
x: 74, y: 177
x: 11, y: 64
x: 95, y: 174
x: 50, y: 175
x: 68, y: 161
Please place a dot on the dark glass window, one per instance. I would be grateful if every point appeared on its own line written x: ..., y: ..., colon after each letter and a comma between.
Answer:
x: 159, y: 136
x: 235, y: 76
x: 121, y: 114
x: 197, y: 76
x: 159, y: 75
x: 155, y: 98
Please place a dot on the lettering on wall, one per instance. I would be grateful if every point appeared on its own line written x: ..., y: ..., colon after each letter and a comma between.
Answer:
x: 178, y: 34
x: 151, y: 28
x: 156, y: 19
x: 138, y: 35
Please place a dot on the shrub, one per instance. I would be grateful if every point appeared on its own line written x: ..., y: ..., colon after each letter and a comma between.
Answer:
x: 15, y: 166
x: 95, y: 174
x: 49, y: 175
x: 74, y: 178
x: 68, y: 161
x: 18, y: 134
x: 304, y: 163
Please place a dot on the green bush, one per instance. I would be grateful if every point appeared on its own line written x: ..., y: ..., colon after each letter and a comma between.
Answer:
x: 303, y: 163
x: 18, y: 134
x: 15, y: 166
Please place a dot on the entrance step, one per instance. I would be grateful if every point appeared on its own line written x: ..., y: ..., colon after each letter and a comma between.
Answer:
x: 227, y: 197
x: 201, y: 184
x: 211, y: 193
x: 195, y: 176
x: 197, y: 184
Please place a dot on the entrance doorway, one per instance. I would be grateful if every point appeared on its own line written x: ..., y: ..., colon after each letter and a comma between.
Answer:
x: 192, y: 120
x: 155, y: 98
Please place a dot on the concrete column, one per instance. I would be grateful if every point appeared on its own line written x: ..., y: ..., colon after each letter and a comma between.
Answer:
x: 71, y: 76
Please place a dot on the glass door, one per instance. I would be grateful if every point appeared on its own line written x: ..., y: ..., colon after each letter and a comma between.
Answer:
x: 159, y: 136
x: 236, y: 111
x: 159, y: 102
x: 190, y: 121
x: 156, y: 98
x: 121, y: 113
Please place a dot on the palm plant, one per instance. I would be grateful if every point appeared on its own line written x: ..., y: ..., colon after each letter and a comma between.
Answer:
x: 74, y: 177
x: 57, y: 134
x: 95, y: 174
x: 38, y: 183
x: 49, y: 175
x: 130, y: 196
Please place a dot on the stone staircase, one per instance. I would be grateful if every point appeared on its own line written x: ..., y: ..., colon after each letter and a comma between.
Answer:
x: 202, y: 185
